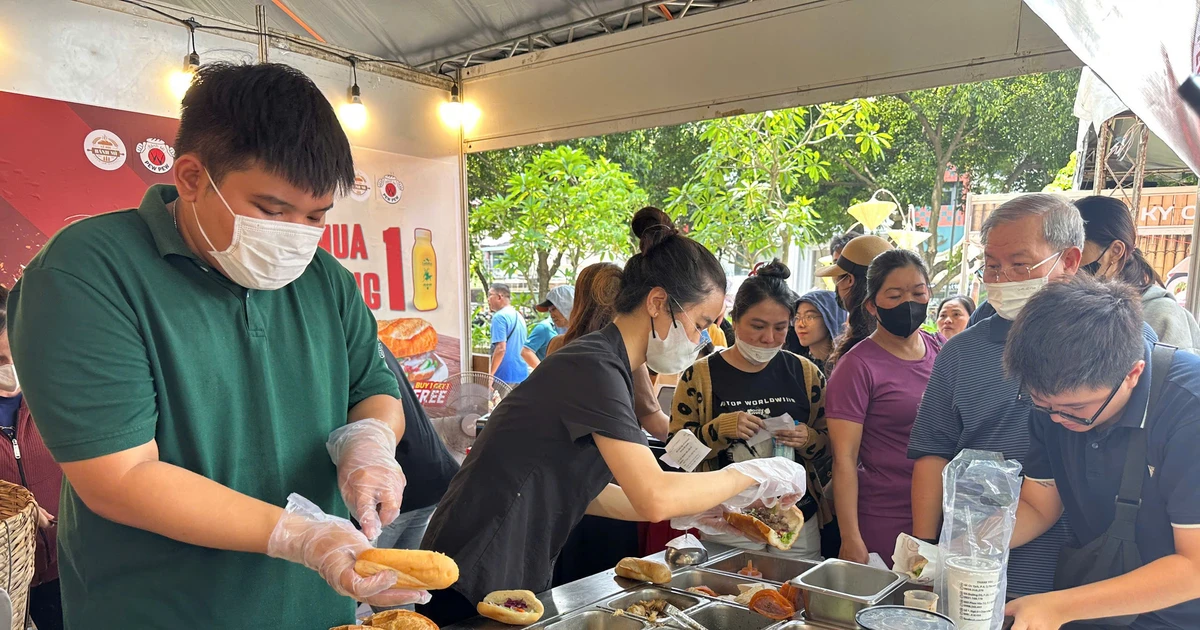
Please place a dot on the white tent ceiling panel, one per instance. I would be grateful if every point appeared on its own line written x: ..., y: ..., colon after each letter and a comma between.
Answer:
x: 751, y: 57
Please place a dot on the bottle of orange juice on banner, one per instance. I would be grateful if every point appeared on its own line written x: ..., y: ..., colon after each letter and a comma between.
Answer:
x: 424, y: 266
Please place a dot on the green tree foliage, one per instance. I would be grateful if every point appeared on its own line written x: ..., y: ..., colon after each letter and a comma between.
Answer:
x: 560, y: 209
x: 749, y: 197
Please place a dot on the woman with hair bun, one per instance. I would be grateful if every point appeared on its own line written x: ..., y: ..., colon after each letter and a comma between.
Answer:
x: 726, y: 397
x: 552, y: 446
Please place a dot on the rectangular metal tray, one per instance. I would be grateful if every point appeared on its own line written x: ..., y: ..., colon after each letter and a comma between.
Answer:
x: 850, y: 580
x: 682, y: 601
x: 721, y: 616
x: 773, y: 568
x: 722, y: 583
x: 596, y: 620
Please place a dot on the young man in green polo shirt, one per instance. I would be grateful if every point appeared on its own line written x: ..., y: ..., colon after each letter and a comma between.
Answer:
x: 196, y: 364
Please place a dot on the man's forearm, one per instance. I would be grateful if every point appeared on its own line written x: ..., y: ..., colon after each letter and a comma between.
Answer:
x: 383, y: 408
x: 927, y: 497
x: 530, y: 357
x: 1168, y: 581
x: 181, y: 505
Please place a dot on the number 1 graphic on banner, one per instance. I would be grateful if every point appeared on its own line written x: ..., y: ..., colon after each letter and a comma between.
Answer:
x: 395, y: 268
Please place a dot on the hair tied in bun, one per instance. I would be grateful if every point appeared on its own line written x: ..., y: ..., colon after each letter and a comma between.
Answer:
x: 773, y: 269
x: 652, y: 227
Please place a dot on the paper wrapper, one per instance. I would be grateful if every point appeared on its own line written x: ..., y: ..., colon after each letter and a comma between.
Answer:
x: 910, y: 551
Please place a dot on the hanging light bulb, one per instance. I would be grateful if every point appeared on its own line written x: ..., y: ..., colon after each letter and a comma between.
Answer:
x: 353, y: 113
x: 457, y: 114
x: 180, y: 80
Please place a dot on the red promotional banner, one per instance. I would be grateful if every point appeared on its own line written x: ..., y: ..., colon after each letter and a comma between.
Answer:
x: 397, y: 229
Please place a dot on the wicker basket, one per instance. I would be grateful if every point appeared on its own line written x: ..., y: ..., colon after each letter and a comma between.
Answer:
x: 18, y: 535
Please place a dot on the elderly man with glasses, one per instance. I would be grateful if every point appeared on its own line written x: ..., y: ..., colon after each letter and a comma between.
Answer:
x: 1114, y: 434
x: 970, y: 403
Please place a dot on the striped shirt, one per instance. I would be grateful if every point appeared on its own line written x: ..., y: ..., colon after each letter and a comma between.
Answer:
x: 969, y: 403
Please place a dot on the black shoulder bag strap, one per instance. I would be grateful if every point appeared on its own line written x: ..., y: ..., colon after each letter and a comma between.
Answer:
x: 1116, y: 552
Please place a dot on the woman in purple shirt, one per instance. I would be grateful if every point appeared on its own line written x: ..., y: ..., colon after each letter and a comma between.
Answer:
x: 871, y: 403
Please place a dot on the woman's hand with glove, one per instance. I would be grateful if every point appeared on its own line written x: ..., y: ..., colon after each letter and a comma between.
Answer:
x: 368, y: 473
x: 778, y: 481
x: 330, y: 545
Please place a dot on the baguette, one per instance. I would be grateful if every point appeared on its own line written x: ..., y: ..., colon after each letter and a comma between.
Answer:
x: 515, y: 608
x: 399, y: 620
x: 416, y: 569
x: 644, y: 570
x: 758, y: 531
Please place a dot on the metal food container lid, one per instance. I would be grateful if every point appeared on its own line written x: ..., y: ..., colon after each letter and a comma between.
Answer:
x: 901, y: 618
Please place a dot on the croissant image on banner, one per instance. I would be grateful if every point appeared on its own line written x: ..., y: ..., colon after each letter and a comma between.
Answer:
x: 414, y: 341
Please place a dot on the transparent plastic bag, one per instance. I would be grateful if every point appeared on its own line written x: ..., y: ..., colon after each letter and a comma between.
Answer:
x: 979, y: 506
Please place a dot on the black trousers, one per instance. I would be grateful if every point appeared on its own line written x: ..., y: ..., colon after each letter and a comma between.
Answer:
x: 45, y: 606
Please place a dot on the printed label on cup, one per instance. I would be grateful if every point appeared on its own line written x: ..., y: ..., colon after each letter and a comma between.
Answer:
x: 972, y: 586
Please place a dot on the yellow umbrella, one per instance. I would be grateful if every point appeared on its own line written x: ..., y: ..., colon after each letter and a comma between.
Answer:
x: 872, y: 213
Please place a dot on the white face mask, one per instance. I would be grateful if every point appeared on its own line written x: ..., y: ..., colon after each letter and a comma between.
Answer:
x: 673, y: 354
x: 1008, y: 298
x: 9, y: 386
x: 755, y: 354
x: 264, y: 255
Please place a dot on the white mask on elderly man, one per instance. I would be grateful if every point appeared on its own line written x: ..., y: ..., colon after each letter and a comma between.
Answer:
x: 9, y: 386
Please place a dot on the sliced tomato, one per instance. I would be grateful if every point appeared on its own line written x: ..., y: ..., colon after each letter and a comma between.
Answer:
x: 772, y: 605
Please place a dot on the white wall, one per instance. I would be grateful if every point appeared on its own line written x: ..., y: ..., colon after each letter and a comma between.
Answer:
x: 69, y: 51
x: 752, y: 57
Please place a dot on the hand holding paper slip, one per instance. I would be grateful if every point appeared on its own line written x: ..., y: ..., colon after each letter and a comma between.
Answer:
x: 685, y: 451
x: 778, y: 423
x: 916, y: 559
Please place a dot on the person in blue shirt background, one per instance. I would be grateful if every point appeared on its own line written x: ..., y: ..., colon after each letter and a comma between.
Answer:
x: 1101, y: 394
x: 558, y: 304
x: 508, y: 337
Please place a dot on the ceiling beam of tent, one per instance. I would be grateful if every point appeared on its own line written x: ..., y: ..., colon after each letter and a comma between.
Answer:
x: 638, y: 15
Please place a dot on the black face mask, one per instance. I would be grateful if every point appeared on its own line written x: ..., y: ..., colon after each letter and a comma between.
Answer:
x: 904, y: 320
x: 1093, y: 267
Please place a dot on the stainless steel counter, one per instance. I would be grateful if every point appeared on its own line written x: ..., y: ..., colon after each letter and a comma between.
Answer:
x: 578, y: 594
x: 587, y: 604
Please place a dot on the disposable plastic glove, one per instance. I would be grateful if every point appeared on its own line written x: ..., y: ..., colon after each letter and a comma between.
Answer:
x: 368, y: 473
x: 329, y: 545
x: 778, y: 481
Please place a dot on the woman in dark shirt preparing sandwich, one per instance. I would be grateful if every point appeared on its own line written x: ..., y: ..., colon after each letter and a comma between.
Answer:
x: 553, y: 444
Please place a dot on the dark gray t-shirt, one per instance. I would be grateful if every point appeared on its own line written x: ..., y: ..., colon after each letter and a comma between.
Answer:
x: 535, y: 468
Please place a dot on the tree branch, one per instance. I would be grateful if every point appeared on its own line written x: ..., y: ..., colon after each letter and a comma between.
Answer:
x: 926, y: 126
x: 864, y: 178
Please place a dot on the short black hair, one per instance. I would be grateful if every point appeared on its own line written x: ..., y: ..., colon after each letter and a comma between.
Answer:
x: 685, y: 269
x: 768, y: 282
x: 268, y: 115
x: 1079, y: 334
x: 502, y: 289
x: 838, y: 243
x: 3, y: 309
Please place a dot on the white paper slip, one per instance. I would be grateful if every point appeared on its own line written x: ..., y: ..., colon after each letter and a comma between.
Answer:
x: 778, y: 423
x: 875, y: 560
x: 685, y: 451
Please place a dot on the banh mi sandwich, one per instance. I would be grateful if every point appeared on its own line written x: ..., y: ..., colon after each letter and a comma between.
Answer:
x: 415, y: 569
x: 515, y: 608
x: 399, y: 620
x: 644, y: 571
x: 413, y: 341
x: 775, y: 526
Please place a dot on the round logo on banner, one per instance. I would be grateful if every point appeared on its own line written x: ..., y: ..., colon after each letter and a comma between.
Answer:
x: 390, y: 188
x: 157, y: 156
x: 104, y: 150
x: 360, y: 190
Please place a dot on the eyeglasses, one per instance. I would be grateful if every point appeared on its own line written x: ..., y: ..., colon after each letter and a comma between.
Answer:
x: 1015, y: 273
x: 1024, y: 396
x: 809, y: 319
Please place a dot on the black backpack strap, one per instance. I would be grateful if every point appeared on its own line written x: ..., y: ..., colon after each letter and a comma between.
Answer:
x: 1129, y: 497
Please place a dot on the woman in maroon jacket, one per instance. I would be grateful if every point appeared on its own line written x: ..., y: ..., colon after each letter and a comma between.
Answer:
x: 26, y: 461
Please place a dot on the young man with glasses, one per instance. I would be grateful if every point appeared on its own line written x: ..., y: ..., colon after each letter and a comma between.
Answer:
x: 1114, y: 436
x: 969, y: 402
